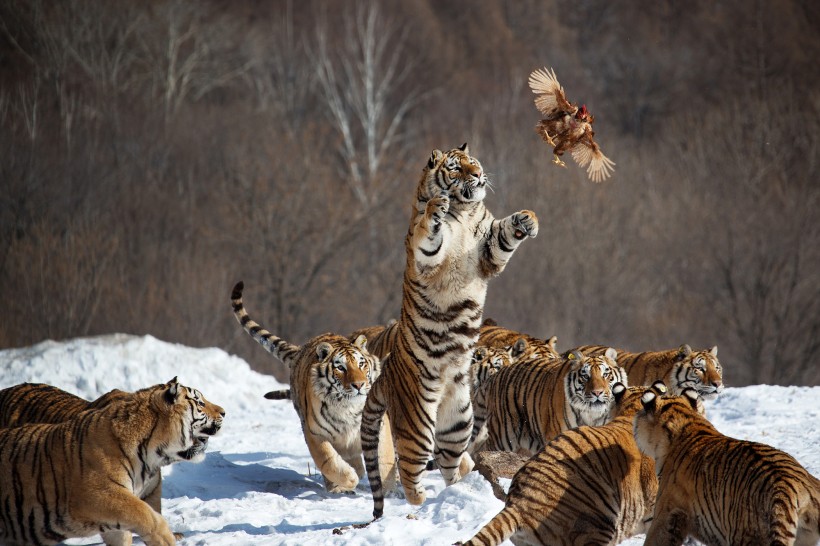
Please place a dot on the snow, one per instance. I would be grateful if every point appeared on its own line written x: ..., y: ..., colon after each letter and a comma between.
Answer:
x: 258, y: 484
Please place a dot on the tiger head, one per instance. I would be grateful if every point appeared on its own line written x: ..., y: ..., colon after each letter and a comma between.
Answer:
x: 184, y: 425
x: 699, y: 370
x: 486, y: 363
x: 346, y: 370
x: 455, y: 173
x: 524, y: 350
x: 662, y: 418
x: 589, y: 382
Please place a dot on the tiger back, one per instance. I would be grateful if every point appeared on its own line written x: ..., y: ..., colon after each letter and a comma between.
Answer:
x: 454, y: 246
x: 720, y: 490
x: 678, y: 368
x: 330, y: 376
x: 84, y: 476
x: 589, y: 485
x: 529, y: 403
x: 520, y: 346
x: 379, y: 338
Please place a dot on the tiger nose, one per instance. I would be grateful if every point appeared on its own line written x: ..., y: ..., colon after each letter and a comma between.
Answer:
x: 597, y: 393
x: 358, y: 385
x: 717, y: 384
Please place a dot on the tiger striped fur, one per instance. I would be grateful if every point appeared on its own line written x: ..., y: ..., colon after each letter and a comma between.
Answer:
x: 678, y: 368
x: 487, y: 361
x: 31, y: 403
x: 520, y: 346
x: 720, y: 490
x: 588, y: 486
x: 84, y: 476
x: 379, y: 338
x: 454, y: 246
x: 329, y: 380
x: 531, y: 402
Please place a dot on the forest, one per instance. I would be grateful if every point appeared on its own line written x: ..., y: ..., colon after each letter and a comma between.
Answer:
x: 154, y: 153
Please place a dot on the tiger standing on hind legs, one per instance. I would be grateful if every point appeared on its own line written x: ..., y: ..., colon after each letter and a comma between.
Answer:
x: 454, y: 246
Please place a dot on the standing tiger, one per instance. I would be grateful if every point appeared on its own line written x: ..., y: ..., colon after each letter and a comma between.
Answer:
x: 30, y: 403
x: 520, y: 346
x: 589, y: 485
x: 719, y: 490
x: 678, y: 368
x: 487, y: 361
x: 330, y: 377
x: 454, y: 246
x: 529, y: 403
x: 84, y: 476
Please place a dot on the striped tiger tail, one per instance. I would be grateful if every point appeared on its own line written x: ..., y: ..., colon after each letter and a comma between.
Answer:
x: 372, y: 419
x: 498, y: 529
x: 275, y: 345
x: 283, y: 394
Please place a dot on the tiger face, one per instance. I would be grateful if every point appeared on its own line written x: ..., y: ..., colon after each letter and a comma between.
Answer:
x: 699, y: 370
x: 486, y: 363
x: 457, y: 174
x: 523, y: 350
x: 346, y: 371
x: 589, y: 382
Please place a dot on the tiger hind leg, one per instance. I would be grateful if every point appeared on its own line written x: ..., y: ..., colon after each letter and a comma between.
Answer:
x: 454, y: 424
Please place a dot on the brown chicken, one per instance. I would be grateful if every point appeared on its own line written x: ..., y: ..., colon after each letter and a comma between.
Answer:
x: 566, y: 127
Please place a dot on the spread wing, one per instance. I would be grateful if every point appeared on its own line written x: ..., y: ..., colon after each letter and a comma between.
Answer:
x: 551, y: 99
x: 586, y: 152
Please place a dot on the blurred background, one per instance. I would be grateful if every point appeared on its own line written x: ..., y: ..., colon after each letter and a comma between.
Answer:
x: 154, y: 153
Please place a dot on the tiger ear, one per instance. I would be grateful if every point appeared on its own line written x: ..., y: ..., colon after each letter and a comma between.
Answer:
x: 659, y: 387
x: 713, y: 351
x: 683, y: 351
x: 171, y: 391
x: 519, y: 347
x: 361, y: 342
x: 464, y: 148
x: 553, y: 343
x: 479, y: 354
x: 323, y: 349
x: 648, y: 401
x: 435, y: 157
x: 618, y: 390
x: 576, y: 357
x: 611, y: 354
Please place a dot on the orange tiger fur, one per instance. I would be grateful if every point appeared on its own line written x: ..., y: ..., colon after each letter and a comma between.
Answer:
x: 589, y: 485
x: 720, y: 490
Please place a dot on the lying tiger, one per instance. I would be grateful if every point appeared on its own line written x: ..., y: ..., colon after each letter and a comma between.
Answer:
x: 589, y: 485
x: 678, y: 368
x: 719, y: 490
x: 520, y: 346
x: 330, y: 377
x: 531, y: 402
x: 30, y: 403
x: 85, y: 475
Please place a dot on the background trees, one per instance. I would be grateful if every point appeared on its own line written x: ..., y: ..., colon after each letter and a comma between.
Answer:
x: 154, y: 154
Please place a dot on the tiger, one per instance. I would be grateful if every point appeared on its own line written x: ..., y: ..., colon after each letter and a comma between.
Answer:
x: 330, y: 377
x: 589, y: 485
x: 720, y: 490
x: 29, y: 403
x: 678, y: 368
x: 85, y: 475
x: 529, y: 403
x: 520, y: 346
x: 454, y: 246
x: 487, y: 361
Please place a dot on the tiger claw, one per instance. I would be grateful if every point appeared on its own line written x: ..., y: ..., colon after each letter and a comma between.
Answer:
x: 557, y: 161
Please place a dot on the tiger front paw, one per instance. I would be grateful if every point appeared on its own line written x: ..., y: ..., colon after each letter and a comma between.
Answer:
x: 525, y: 224
x: 346, y: 481
x: 437, y: 208
x: 415, y: 495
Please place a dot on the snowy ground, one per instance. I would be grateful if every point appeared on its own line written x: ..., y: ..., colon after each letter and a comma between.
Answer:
x: 258, y: 484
